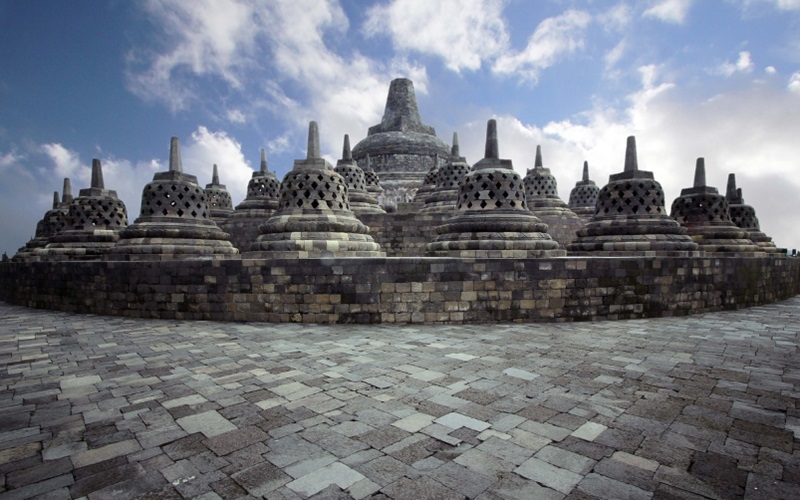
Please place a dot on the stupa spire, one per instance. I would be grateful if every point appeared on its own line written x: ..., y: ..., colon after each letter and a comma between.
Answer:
x: 264, y: 168
x: 55, y: 199
x: 454, y: 152
x: 730, y: 192
x: 97, y: 174
x: 700, y: 173
x: 538, y: 162
x: 347, y: 155
x: 631, y: 159
x: 313, y: 141
x: 215, y: 175
x: 585, y: 171
x: 175, y: 164
x: 66, y: 192
x: 492, y: 147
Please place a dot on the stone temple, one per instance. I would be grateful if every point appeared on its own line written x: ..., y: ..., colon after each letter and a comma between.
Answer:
x: 362, y: 243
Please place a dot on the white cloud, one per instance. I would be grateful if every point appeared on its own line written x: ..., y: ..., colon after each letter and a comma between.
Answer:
x: 554, y: 37
x: 235, y: 116
x: 616, y: 18
x: 67, y: 163
x: 743, y: 64
x: 770, y: 70
x: 786, y: 5
x: 669, y: 11
x: 10, y: 159
x: 463, y: 33
x: 794, y: 83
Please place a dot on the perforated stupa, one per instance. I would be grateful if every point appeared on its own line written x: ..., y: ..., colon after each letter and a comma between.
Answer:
x: 429, y: 183
x: 53, y: 222
x: 361, y: 201
x: 744, y: 216
x: 174, y: 220
x: 220, y: 205
x: 492, y: 218
x: 261, y: 201
x: 314, y: 218
x: 630, y: 217
x: 583, y: 197
x: 448, y: 179
x: 371, y: 178
x: 704, y: 213
x: 94, y: 220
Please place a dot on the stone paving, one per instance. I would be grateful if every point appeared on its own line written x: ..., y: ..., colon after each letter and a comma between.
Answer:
x: 695, y: 407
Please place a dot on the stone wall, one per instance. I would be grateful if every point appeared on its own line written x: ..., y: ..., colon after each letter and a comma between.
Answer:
x: 401, y: 290
x: 403, y: 234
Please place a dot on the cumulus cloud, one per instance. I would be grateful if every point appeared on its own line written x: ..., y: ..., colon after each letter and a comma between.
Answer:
x: 785, y: 5
x: 553, y: 38
x: 743, y: 64
x: 669, y: 11
x: 67, y: 163
x: 794, y: 83
x: 463, y: 33
x: 10, y: 159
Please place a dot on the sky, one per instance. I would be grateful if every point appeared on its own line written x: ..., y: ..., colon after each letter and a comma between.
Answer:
x: 116, y: 79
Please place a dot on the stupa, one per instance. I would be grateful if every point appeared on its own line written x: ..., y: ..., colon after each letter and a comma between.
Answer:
x: 220, y: 205
x: 361, y: 201
x: 492, y: 218
x: 630, y: 217
x: 94, y: 220
x: 174, y: 221
x: 261, y: 201
x: 583, y: 197
x: 314, y: 219
x: 401, y: 147
x: 744, y: 216
x: 371, y: 178
x: 541, y: 193
x: 429, y: 183
x: 53, y: 221
x: 444, y: 197
x: 704, y: 213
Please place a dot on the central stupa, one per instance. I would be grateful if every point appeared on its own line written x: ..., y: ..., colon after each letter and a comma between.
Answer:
x: 401, y: 148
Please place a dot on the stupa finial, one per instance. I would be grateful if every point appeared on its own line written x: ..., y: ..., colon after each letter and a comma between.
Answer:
x: 730, y: 191
x: 700, y: 173
x: 492, y: 147
x: 346, y: 153
x: 97, y: 174
x: 66, y: 193
x: 215, y: 175
x: 313, y: 141
x: 585, y: 170
x: 631, y: 159
x: 55, y: 199
x: 538, y: 163
x: 264, y: 168
x: 739, y: 195
x: 175, y: 164
x: 454, y: 152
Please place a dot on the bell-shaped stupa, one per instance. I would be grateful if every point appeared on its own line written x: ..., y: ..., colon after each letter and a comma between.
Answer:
x: 361, y: 201
x: 705, y: 214
x: 53, y: 222
x: 314, y: 219
x: 94, y: 221
x: 583, y: 197
x: 371, y: 177
x: 541, y: 193
x: 429, y: 183
x: 261, y: 201
x: 174, y: 220
x: 444, y: 197
x: 744, y: 216
x: 630, y: 217
x: 491, y: 217
x: 220, y: 205
x: 401, y: 147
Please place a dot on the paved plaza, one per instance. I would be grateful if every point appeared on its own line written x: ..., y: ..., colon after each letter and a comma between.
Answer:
x: 692, y: 407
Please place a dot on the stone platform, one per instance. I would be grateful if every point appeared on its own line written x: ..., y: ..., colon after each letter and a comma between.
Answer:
x: 697, y: 407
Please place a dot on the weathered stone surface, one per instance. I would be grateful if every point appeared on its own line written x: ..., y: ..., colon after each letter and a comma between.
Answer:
x: 630, y: 218
x: 705, y: 215
x: 401, y: 148
x: 174, y: 221
x: 314, y: 218
x: 744, y: 216
x: 220, y: 205
x: 492, y: 218
x: 583, y: 197
x: 443, y: 197
x: 361, y: 200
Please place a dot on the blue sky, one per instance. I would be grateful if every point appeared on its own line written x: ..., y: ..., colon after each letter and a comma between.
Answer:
x: 115, y: 80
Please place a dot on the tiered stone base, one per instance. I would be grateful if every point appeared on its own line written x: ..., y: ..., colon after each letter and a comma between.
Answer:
x: 442, y: 202
x: 643, y: 235
x: 79, y: 245
x: 364, y: 203
x: 299, y: 234
x: 163, y: 240
x: 724, y: 240
x: 244, y: 227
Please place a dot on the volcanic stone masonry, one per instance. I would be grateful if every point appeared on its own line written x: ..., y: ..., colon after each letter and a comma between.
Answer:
x: 444, y: 196
x: 53, y: 222
x: 174, y: 221
x: 361, y: 201
x: 744, y: 216
x: 583, y: 197
x: 220, y: 205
